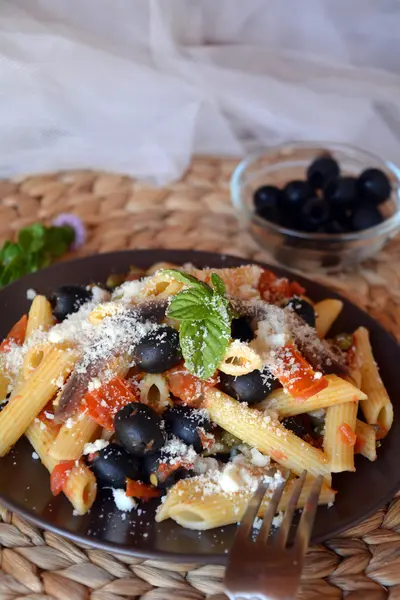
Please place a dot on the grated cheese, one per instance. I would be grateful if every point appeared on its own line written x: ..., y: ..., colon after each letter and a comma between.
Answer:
x: 95, y: 446
x: 122, y: 501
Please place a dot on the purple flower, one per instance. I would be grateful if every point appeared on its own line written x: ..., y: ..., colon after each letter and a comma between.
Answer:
x: 70, y: 220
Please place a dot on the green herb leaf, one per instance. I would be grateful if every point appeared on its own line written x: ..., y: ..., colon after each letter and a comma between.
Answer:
x: 218, y: 284
x: 33, y: 238
x: 189, y: 305
x: 203, y: 345
x: 189, y: 280
x: 205, y: 317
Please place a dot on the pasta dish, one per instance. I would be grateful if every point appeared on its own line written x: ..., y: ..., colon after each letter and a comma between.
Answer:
x: 188, y: 387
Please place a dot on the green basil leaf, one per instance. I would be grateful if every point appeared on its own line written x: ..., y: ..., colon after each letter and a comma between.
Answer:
x: 32, y: 238
x: 218, y: 284
x: 204, y: 344
x: 189, y: 280
x: 58, y: 239
x: 189, y: 305
x: 9, y: 252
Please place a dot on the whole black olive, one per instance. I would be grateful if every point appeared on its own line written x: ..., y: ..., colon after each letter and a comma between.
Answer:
x: 3, y: 405
x: 185, y: 422
x: 162, y: 475
x: 250, y: 388
x: 113, y: 465
x: 300, y: 425
x: 304, y: 309
x: 159, y: 350
x: 139, y: 429
x: 68, y: 299
x: 241, y: 330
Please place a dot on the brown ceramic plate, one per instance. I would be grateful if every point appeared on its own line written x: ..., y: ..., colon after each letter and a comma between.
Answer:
x: 24, y: 482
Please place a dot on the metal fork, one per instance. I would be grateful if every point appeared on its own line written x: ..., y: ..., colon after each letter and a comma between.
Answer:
x: 265, y: 568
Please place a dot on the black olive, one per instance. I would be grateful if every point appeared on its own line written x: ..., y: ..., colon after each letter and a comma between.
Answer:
x: 113, y: 465
x: 300, y: 425
x: 304, y: 309
x: 139, y: 429
x: 241, y: 330
x: 250, y: 388
x: 68, y: 299
x: 3, y: 405
x: 184, y: 422
x: 159, y: 350
x: 159, y: 477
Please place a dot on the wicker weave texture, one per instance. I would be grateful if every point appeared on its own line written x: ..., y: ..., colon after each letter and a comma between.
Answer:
x: 193, y: 213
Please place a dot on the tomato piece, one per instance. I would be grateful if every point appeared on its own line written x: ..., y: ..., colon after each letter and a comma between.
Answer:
x: 275, y: 290
x: 278, y: 455
x: 16, y: 334
x: 347, y: 435
x: 59, y: 476
x: 187, y: 387
x: 141, y: 490
x: 45, y: 416
x: 296, y: 374
x: 104, y: 403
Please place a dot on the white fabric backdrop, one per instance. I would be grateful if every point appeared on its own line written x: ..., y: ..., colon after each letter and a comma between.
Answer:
x: 138, y: 86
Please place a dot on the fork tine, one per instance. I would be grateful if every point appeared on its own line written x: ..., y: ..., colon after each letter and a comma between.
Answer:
x: 271, y: 510
x: 246, y: 524
x: 307, y: 518
x: 282, y: 535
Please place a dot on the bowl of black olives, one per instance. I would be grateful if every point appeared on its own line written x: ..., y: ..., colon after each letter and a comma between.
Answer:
x: 318, y: 206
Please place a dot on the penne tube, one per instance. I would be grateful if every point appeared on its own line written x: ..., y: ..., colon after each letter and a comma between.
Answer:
x: 327, y: 311
x: 377, y: 408
x: 340, y: 437
x: 265, y: 434
x: 338, y: 391
x: 73, y: 436
x: 191, y: 507
x: 366, y: 440
x: 40, y: 316
x: 33, y: 395
x: 81, y: 486
x: 33, y: 358
x: 240, y: 359
x: 154, y: 391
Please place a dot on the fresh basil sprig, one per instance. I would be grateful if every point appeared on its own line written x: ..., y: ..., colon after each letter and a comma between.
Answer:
x: 205, y: 317
x: 36, y: 247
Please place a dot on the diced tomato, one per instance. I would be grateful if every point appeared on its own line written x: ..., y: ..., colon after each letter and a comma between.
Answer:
x: 104, y: 403
x: 274, y: 289
x: 187, y: 387
x: 16, y: 335
x: 347, y: 435
x: 141, y: 490
x: 207, y: 439
x: 46, y: 416
x: 59, y: 476
x: 359, y: 445
x: 278, y: 455
x: 296, y: 374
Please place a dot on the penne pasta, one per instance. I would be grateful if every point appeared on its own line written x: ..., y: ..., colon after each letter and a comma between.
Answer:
x: 340, y: 437
x: 366, y: 440
x: 337, y: 392
x: 265, y: 434
x: 73, y: 435
x: 33, y: 395
x: 40, y: 316
x: 377, y: 408
x: 190, y: 506
x: 154, y: 391
x: 240, y: 359
x: 327, y: 311
x: 81, y: 486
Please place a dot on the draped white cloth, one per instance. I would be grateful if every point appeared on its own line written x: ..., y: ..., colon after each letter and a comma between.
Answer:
x: 139, y: 86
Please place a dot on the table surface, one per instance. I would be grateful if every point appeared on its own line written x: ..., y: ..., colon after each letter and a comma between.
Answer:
x: 194, y: 213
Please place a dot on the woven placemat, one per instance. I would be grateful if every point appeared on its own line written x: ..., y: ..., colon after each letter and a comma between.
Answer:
x: 194, y: 213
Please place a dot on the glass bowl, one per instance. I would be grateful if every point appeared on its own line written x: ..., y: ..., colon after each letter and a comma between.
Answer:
x: 312, y: 251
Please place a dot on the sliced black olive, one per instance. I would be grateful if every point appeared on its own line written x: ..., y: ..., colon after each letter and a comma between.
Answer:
x: 160, y: 474
x: 113, y: 465
x: 3, y: 405
x: 139, y: 429
x: 241, y: 330
x: 159, y: 350
x: 185, y: 422
x: 68, y: 299
x: 250, y: 388
x: 304, y: 309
